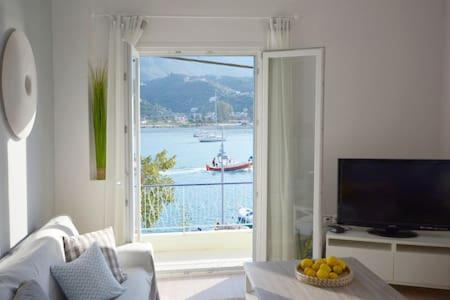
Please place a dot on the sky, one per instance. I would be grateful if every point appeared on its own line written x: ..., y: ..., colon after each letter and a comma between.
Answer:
x: 155, y: 67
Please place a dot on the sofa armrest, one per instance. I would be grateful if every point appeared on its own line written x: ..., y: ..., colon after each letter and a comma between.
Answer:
x: 135, y: 255
x: 139, y: 255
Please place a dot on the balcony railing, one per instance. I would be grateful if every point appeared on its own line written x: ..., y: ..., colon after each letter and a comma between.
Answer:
x: 195, y: 207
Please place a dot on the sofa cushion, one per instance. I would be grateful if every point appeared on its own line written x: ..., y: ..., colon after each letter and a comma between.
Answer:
x: 87, y: 277
x: 74, y: 246
x: 32, y: 258
x: 31, y: 263
x: 30, y: 290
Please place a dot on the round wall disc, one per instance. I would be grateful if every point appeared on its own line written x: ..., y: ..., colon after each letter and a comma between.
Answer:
x: 19, y: 84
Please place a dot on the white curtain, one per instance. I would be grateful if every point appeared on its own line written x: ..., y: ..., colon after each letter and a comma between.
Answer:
x: 279, y: 34
x: 124, y: 32
x: 281, y: 240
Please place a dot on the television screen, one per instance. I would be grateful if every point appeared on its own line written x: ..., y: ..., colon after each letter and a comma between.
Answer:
x: 410, y: 194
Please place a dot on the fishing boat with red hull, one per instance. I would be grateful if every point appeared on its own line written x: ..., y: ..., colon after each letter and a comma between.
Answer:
x: 223, y: 162
x: 230, y: 167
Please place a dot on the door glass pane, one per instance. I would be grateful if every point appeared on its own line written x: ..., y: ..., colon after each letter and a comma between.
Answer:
x: 291, y: 97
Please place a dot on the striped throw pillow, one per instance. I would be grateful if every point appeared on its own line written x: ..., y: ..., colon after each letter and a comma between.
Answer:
x: 74, y: 246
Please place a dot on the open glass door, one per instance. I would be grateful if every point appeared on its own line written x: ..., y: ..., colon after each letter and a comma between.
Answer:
x: 288, y: 214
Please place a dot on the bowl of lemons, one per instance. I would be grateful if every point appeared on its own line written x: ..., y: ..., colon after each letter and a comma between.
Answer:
x: 324, y: 272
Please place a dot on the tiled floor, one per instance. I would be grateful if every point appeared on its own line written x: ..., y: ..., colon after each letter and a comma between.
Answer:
x: 233, y: 287
x: 203, y: 287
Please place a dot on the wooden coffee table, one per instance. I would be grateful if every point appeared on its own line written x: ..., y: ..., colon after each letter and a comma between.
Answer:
x: 276, y: 281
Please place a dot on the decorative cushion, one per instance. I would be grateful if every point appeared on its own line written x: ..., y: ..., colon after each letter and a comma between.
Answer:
x: 30, y: 290
x: 74, y: 246
x: 87, y: 277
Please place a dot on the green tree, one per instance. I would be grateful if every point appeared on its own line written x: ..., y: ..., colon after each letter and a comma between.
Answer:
x: 224, y: 110
x: 153, y: 199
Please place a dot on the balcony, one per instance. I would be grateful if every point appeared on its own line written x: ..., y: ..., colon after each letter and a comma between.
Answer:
x: 190, y: 233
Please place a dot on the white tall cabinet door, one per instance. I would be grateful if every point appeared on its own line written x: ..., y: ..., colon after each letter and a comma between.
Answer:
x: 293, y: 78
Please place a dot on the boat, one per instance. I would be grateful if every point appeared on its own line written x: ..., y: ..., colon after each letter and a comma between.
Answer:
x: 230, y: 166
x: 245, y: 216
x: 223, y: 163
x: 200, y: 133
x: 210, y: 138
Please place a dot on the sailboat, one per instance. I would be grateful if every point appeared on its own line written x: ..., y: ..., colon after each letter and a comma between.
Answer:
x: 212, y: 137
x: 200, y: 133
x: 208, y: 138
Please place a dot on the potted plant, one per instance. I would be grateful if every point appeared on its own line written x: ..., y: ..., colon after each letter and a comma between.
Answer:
x: 98, y: 92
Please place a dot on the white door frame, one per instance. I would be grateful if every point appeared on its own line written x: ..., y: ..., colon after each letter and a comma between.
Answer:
x: 132, y: 144
x: 260, y: 137
x: 259, y: 133
x: 261, y: 222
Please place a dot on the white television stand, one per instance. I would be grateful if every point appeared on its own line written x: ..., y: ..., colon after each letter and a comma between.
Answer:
x: 419, y: 261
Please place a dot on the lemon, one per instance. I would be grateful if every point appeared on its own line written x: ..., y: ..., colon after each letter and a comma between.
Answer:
x: 333, y: 275
x: 306, y: 263
x: 325, y: 268
x: 332, y: 261
x: 337, y: 269
x: 342, y: 264
x: 310, y: 272
x: 321, y: 274
x: 316, y: 266
x: 321, y: 261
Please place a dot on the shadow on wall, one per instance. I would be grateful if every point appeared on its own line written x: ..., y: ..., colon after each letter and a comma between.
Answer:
x: 38, y: 174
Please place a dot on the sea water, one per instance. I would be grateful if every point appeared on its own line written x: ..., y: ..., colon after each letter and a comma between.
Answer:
x: 199, y: 207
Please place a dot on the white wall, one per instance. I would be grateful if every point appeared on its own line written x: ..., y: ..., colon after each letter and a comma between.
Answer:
x: 26, y: 167
x: 75, y: 194
x: 445, y: 112
x: 383, y: 77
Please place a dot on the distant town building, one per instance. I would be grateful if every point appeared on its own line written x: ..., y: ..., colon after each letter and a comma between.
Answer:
x: 181, y: 118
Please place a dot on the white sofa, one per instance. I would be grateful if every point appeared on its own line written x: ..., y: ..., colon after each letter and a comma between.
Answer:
x: 32, y: 258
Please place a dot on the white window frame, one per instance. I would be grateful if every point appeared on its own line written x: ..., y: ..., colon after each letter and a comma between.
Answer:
x: 259, y: 189
x: 260, y: 143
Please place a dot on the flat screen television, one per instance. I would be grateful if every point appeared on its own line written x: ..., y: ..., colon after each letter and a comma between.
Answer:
x: 394, y: 196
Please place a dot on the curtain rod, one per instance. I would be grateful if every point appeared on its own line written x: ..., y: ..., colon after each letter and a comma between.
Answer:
x: 295, y: 17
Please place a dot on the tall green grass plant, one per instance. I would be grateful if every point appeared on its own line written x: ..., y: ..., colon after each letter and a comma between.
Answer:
x: 98, y: 79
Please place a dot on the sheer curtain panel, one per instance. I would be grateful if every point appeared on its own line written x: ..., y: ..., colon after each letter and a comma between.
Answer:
x: 281, y: 243
x: 124, y: 32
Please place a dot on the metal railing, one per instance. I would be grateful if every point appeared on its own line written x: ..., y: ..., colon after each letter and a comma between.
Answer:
x: 195, y: 207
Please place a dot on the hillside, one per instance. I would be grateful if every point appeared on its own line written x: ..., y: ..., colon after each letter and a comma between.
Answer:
x: 177, y: 93
x: 153, y: 67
